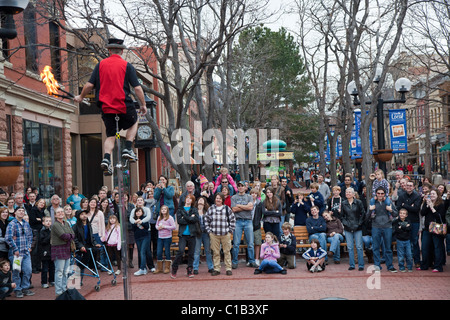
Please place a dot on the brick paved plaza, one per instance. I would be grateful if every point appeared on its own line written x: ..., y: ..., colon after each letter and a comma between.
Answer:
x: 299, y: 284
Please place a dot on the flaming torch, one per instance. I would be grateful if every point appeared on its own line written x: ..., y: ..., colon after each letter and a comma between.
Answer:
x: 52, y: 85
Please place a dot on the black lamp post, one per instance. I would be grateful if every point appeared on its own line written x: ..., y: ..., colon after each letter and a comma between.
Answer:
x: 402, y: 85
x: 7, y: 9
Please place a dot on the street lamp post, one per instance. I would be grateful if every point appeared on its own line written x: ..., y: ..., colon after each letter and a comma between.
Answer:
x: 402, y: 85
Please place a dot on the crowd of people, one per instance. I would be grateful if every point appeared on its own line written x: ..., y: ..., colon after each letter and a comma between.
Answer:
x: 219, y: 215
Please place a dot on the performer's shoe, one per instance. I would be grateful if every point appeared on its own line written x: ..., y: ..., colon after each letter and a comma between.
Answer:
x: 106, y: 167
x: 129, y: 154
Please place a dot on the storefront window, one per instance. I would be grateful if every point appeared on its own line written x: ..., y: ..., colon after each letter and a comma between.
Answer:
x: 43, y: 165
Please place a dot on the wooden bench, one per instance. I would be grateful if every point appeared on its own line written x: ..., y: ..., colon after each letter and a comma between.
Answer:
x: 302, y: 238
x: 176, y: 239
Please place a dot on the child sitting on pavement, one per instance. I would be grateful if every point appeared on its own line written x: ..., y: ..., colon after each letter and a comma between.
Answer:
x: 315, y: 257
x: 270, y: 252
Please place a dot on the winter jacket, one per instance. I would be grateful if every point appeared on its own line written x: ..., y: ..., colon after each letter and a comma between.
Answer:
x: 80, y: 239
x: 185, y: 219
x: 410, y: 202
x: 310, y: 253
x: 301, y: 212
x: 167, y: 194
x: 318, y: 201
x: 257, y: 216
x: 335, y: 225
x: 44, y: 247
x: 291, y: 243
x: 352, y: 215
x: 401, y: 229
x: 438, y: 216
x: 383, y: 218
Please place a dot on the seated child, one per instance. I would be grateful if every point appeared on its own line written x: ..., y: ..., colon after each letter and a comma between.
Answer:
x: 287, y: 247
x: 6, y: 284
x: 315, y: 257
x: 270, y: 252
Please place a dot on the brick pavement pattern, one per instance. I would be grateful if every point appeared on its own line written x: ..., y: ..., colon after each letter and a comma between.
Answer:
x: 297, y: 284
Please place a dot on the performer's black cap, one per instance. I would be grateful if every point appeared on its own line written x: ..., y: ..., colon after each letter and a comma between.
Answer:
x: 115, y: 43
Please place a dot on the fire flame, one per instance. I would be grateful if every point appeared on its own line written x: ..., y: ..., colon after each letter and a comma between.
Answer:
x: 49, y: 81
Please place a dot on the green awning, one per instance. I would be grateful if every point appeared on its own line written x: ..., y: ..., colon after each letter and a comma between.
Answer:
x: 445, y: 148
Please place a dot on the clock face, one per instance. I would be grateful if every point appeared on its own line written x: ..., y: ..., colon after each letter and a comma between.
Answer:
x: 33, y: 136
x: 144, y: 132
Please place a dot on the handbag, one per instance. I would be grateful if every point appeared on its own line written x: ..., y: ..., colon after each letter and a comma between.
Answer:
x: 438, y: 228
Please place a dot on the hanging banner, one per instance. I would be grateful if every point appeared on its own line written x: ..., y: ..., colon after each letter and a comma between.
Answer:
x: 355, y: 143
x: 397, y: 129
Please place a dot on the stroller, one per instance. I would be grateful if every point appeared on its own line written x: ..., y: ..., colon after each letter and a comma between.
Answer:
x: 80, y: 261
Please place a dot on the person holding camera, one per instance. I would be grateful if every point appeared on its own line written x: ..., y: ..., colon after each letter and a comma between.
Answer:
x: 163, y: 194
x: 300, y: 208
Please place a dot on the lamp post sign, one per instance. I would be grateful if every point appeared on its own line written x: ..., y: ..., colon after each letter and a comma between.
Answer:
x: 397, y: 124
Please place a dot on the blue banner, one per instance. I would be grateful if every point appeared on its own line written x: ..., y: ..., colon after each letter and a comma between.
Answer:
x: 355, y: 142
x: 397, y: 129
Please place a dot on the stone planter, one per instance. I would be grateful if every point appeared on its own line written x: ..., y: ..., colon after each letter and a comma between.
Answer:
x: 10, y: 169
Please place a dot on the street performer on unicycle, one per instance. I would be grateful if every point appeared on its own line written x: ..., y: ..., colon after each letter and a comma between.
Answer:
x: 112, y: 79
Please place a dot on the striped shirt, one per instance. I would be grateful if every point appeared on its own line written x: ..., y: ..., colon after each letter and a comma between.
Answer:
x: 219, y: 220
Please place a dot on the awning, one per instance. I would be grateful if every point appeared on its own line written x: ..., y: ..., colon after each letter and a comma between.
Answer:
x: 445, y: 148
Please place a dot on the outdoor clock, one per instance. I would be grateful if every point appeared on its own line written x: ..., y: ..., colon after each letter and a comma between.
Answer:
x: 33, y: 136
x: 144, y: 132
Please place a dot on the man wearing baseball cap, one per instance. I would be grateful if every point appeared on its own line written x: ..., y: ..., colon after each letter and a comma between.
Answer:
x: 242, y: 205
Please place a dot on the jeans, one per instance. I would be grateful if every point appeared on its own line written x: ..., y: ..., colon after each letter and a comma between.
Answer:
x: 4, y: 292
x: 380, y: 236
x: 414, y: 239
x: 163, y: 244
x: 272, y: 227
x: 367, y: 240
x: 355, y: 238
x: 62, y: 268
x: 198, y: 247
x: 404, y: 253
x: 21, y: 279
x: 270, y: 266
x: 103, y: 259
x: 322, y: 237
x: 144, y: 254
x: 246, y: 226
x: 335, y: 246
x: 431, y: 242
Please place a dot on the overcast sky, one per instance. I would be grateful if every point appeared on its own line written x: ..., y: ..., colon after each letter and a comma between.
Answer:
x: 283, y: 18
